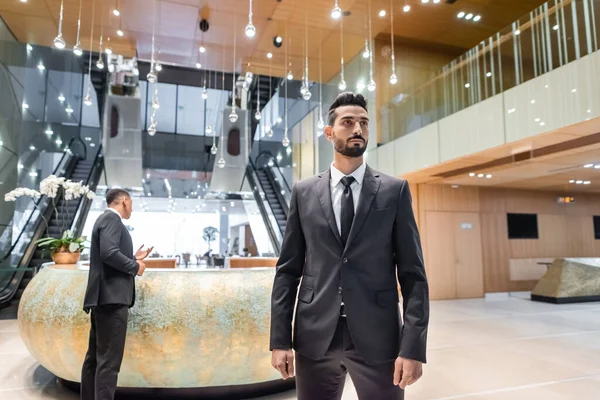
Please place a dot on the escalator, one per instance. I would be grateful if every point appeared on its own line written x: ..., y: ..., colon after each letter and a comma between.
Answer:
x: 24, y: 259
x: 272, y: 194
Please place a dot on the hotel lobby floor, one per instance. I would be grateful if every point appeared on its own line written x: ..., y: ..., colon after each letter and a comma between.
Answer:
x: 505, y: 348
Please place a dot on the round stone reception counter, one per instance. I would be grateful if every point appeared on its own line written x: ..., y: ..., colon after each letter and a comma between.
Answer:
x: 189, y: 328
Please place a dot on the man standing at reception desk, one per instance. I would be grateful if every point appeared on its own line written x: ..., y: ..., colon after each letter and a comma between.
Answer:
x: 110, y: 293
x: 351, y: 232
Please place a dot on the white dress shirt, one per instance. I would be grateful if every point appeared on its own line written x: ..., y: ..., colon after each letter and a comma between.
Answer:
x: 337, y: 189
x: 116, y: 212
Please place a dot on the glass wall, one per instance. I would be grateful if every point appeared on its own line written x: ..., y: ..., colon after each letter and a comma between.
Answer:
x: 549, y: 37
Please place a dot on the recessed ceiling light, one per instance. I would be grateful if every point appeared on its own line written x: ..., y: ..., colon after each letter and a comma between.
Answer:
x: 406, y: 8
x: 586, y: 182
x: 517, y: 32
x: 472, y: 174
x: 589, y: 111
x: 572, y: 181
x: 469, y: 16
x: 424, y: 1
x: 532, y: 101
x: 382, y: 13
x: 269, y: 55
x: 597, y: 166
x: 579, y: 182
x: 477, y: 18
x: 480, y: 175
x: 488, y: 176
x: 489, y: 74
x: 588, y: 165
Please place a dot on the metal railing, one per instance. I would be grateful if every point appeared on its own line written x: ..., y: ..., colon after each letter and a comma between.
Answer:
x: 552, y: 35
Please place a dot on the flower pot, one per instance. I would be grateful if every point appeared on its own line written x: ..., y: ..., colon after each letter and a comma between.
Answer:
x: 64, y: 256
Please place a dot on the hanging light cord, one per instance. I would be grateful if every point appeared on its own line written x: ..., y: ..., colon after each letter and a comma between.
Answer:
x: 61, y: 18
x: 91, y: 43
x: 370, y: 49
x: 392, y: 36
x: 78, y: 24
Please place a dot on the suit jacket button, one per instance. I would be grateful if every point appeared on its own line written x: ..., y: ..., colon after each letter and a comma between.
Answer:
x: 345, y: 260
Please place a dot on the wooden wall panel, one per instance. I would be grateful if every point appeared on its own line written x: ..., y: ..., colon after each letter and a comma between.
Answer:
x: 440, y: 258
x: 495, y: 252
x: 446, y: 198
x: 564, y: 231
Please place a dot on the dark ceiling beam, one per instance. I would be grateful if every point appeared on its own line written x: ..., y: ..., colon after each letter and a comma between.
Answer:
x: 187, y: 76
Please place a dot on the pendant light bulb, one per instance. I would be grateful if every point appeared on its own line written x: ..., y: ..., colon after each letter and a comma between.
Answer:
x: 214, y: 150
x: 336, y: 13
x: 221, y: 163
x: 204, y: 94
x: 152, y: 129
x: 208, y: 130
x: 393, y: 79
x: 59, y: 42
x: 77, y: 50
x: 320, y: 124
x: 269, y: 130
x: 88, y: 100
x: 155, y: 103
x: 116, y: 12
x: 307, y: 94
x: 257, y: 115
x: 250, y: 30
x: 366, y: 53
x: 371, y: 86
x: 286, y: 141
x: 290, y: 76
x: 120, y: 33
x: 108, y: 51
x: 233, y: 117
x: 100, y: 63
x: 342, y: 84
x: 151, y: 77
x: 158, y: 67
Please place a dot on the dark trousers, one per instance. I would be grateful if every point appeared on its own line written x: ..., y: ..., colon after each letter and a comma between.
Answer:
x: 324, y: 379
x: 105, y: 352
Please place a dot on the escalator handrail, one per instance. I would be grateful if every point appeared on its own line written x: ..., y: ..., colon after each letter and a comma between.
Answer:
x: 282, y: 202
x: 250, y: 170
x: 274, y: 159
x: 37, y: 204
x: 85, y: 204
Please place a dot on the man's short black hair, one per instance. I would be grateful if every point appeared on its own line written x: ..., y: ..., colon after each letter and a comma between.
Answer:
x: 345, y: 99
x: 113, y: 195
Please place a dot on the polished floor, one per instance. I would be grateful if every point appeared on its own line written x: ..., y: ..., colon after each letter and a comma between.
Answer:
x: 505, y: 348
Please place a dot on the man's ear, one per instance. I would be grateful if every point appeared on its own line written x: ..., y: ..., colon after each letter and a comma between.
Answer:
x: 328, y: 130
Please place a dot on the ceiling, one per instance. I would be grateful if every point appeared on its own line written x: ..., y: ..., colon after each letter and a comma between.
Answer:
x: 178, y: 36
x: 547, y: 162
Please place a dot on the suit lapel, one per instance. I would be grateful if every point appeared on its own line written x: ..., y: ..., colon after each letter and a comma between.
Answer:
x: 367, y: 196
x: 324, y: 193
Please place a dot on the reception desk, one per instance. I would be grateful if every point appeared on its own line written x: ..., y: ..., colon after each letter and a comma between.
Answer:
x: 189, y: 328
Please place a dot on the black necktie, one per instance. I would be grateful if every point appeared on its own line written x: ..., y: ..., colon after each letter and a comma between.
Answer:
x: 347, y: 215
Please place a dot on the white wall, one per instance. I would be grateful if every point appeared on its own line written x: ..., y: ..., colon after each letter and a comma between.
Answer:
x: 563, y: 97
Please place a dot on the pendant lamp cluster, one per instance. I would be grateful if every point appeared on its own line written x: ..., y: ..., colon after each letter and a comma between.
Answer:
x: 152, y: 78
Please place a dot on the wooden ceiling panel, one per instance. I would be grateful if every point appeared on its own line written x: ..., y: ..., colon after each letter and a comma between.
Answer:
x: 177, y: 27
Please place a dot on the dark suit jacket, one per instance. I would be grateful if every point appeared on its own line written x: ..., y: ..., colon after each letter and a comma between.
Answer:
x: 383, y: 245
x: 112, y: 264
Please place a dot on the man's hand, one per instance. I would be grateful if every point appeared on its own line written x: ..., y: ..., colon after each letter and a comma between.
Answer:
x: 141, y: 254
x: 142, y: 268
x: 283, y: 361
x: 407, y: 372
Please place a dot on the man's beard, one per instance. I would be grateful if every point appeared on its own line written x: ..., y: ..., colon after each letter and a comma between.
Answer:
x: 345, y: 148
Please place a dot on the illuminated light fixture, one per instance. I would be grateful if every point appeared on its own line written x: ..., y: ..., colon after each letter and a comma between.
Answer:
x: 555, y: 27
x: 578, y: 182
x: 58, y: 142
x: 250, y: 29
x: 198, y: 65
x: 512, y: 110
x: 574, y: 90
x: 23, y: 1
x: 480, y: 175
x: 489, y: 74
x: 586, y: 182
x: 202, y: 49
x: 461, y: 14
x: 436, y: 1
x: 424, y: 1
x: 290, y: 75
x: 269, y: 55
x: 108, y: 51
x: 488, y: 176
x: 25, y: 105
x: 532, y: 101
x: 88, y: 99
x: 77, y: 48
x: 158, y: 67
x: 360, y: 85
x: 279, y: 120
x: 406, y: 8
x: 469, y: 16
x: 41, y: 66
x: 33, y: 174
x: 467, y: 85
x: 69, y: 110
x: 61, y: 98
x: 382, y: 13
x: 20, y: 166
x: 29, y: 47
x: 278, y: 39
x: 336, y: 13
x: 116, y: 12
x: 542, y: 123
x: 597, y: 166
x: 537, y: 119
x: 588, y: 165
x: 120, y: 32
x: 477, y: 18
x: 472, y: 174
x: 572, y: 181
x: 49, y: 132
x: 366, y: 51
x: 589, y: 111
x: 59, y: 42
x: 32, y: 148
x: 517, y: 32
